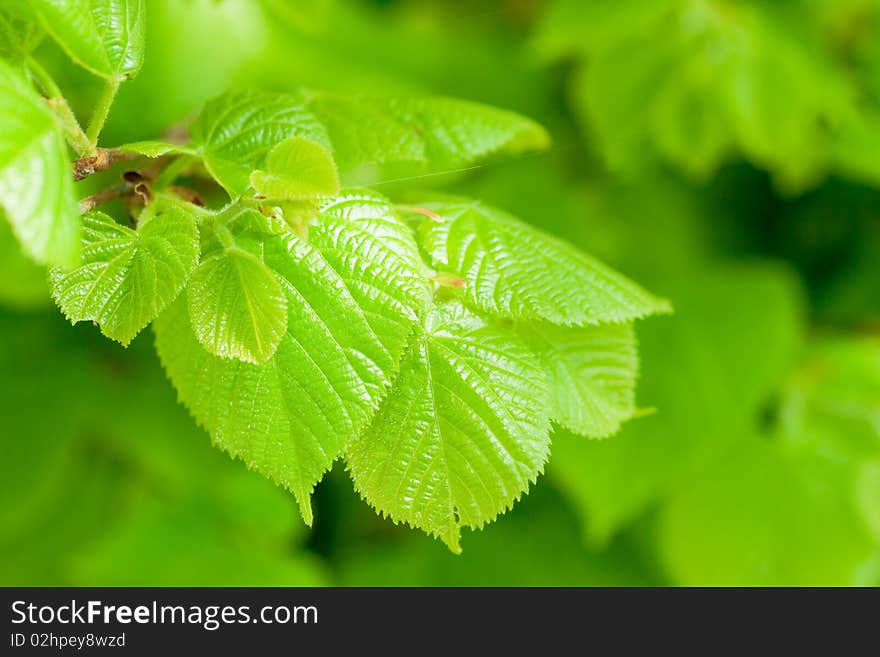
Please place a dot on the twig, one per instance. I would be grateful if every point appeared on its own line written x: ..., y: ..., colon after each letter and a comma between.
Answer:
x: 104, y: 196
x: 103, y: 159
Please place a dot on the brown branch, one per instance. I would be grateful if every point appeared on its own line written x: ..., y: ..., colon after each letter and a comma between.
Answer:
x: 103, y: 159
x: 104, y: 196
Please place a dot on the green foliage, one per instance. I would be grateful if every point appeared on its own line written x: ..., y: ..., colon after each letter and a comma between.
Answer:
x: 700, y: 82
x: 236, y: 306
x: 461, y: 434
x: 297, y: 169
x: 36, y: 190
x: 326, y: 314
x: 299, y: 322
x: 127, y: 277
x: 436, y: 347
x: 437, y: 132
x: 152, y: 148
x: 348, y: 318
x: 235, y: 132
x: 591, y: 373
x: 104, y: 36
x: 516, y: 272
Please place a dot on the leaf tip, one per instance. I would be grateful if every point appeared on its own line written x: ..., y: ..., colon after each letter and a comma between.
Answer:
x: 452, y: 539
x: 663, y: 306
x: 304, y: 500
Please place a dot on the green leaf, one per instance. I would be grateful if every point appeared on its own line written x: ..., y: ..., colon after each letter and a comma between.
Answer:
x: 297, y: 169
x: 235, y: 132
x: 352, y: 304
x: 36, y: 185
x: 127, y: 276
x: 154, y: 148
x: 236, y: 306
x: 440, y: 132
x: 591, y: 372
x: 104, y: 36
x: 516, y: 271
x: 363, y: 222
x: 462, y: 433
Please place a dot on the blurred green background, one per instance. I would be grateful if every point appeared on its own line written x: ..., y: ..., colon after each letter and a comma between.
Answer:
x: 724, y: 153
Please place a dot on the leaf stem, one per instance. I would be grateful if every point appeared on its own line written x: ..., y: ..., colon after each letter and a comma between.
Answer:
x: 42, y: 78
x: 225, y: 237
x: 102, y: 109
x: 73, y: 132
x: 170, y: 173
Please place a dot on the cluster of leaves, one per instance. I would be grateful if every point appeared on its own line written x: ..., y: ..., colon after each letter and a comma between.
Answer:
x: 431, y: 344
x: 788, y: 86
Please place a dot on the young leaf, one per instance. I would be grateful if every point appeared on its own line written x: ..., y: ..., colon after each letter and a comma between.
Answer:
x: 591, y: 372
x: 440, y: 132
x: 363, y: 222
x: 103, y: 36
x: 236, y: 306
x: 36, y: 187
x: 127, y: 276
x: 297, y: 169
x: 462, y: 433
x: 154, y: 148
x: 299, y: 215
x: 235, y: 132
x: 349, y: 317
x: 516, y: 271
